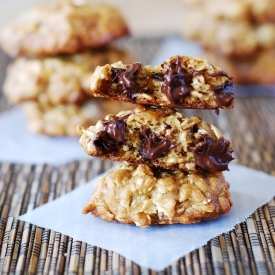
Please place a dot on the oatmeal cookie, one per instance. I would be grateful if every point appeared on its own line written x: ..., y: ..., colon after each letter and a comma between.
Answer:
x: 240, y: 10
x: 159, y: 137
x: 57, y: 80
x: 180, y: 82
x: 62, y: 27
x: 258, y: 69
x: 62, y: 119
x: 228, y: 37
x: 141, y: 195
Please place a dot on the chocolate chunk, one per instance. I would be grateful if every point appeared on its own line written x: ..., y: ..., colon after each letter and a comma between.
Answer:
x: 224, y: 94
x: 127, y: 79
x: 116, y: 72
x: 157, y: 76
x: 177, y: 82
x: 177, y: 85
x: 213, y: 155
x: 112, y: 135
x: 115, y: 129
x: 153, y: 146
x: 104, y: 143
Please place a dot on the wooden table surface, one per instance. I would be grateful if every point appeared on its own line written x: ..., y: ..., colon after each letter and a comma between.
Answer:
x: 248, y: 249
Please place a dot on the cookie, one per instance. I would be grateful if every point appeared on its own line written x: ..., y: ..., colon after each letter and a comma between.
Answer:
x: 158, y: 137
x: 58, y: 79
x: 228, y: 37
x: 141, y: 195
x: 62, y: 27
x: 62, y: 119
x: 259, y: 69
x: 240, y: 10
x: 180, y: 82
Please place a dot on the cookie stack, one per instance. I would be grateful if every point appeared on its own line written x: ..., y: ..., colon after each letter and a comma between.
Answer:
x: 238, y: 35
x: 173, y: 170
x: 56, y: 49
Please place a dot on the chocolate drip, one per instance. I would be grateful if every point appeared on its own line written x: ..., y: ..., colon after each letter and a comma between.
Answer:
x: 217, y: 112
x: 224, y: 93
x: 113, y: 134
x: 213, y: 155
x: 153, y: 147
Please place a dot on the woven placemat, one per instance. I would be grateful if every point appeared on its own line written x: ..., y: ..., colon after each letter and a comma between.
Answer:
x: 249, y: 249
x: 28, y: 249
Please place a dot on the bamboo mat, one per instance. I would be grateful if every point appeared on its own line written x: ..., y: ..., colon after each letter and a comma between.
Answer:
x: 28, y: 249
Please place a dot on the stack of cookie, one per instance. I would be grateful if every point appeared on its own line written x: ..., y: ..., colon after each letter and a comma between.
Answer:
x: 238, y: 35
x: 56, y: 49
x: 173, y: 170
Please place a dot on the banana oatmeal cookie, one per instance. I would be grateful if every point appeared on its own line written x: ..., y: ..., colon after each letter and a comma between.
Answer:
x: 229, y: 37
x: 236, y: 10
x: 62, y: 27
x: 59, y: 79
x: 180, y: 82
x: 158, y: 137
x: 141, y: 195
x: 258, y: 69
x: 222, y: 9
x: 62, y: 119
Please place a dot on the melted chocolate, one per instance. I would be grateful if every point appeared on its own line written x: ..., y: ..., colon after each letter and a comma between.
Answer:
x: 153, y: 147
x: 213, y: 155
x: 126, y: 78
x: 115, y: 129
x: 104, y: 143
x: 177, y: 82
x: 224, y: 94
x: 113, y: 134
x: 177, y: 85
x: 116, y: 72
x: 220, y: 73
x: 157, y: 76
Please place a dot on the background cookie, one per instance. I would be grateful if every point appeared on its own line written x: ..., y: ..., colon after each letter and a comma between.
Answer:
x: 229, y: 37
x: 259, y: 69
x: 58, y: 79
x: 240, y: 10
x: 238, y: 35
x: 62, y: 119
x: 62, y: 27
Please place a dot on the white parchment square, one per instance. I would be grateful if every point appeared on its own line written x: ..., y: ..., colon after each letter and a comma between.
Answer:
x: 158, y: 246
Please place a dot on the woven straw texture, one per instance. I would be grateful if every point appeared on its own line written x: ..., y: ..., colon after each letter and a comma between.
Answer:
x: 248, y: 249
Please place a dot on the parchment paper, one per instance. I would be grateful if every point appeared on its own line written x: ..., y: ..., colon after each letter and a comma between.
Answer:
x: 158, y: 246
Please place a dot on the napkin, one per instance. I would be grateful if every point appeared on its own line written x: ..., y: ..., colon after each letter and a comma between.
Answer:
x: 18, y: 144
x: 160, y: 245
